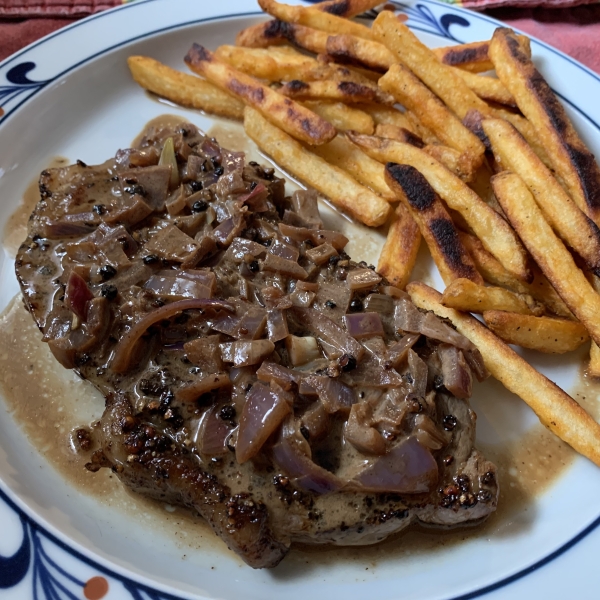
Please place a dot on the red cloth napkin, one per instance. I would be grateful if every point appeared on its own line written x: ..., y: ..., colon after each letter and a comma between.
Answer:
x: 574, y: 30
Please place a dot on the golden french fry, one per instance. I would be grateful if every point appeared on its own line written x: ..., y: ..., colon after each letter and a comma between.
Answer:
x: 547, y: 250
x: 436, y: 226
x: 473, y: 57
x: 431, y: 111
x: 347, y: 8
x: 400, y: 134
x: 554, y: 407
x: 315, y: 18
x: 344, y: 154
x: 352, y: 50
x: 487, y: 88
x: 293, y: 118
x: 544, y: 334
x: 399, y: 253
x: 493, y: 272
x: 313, y: 40
x: 594, y: 365
x: 568, y: 221
x: 343, y: 191
x: 420, y: 129
x: 495, y: 233
x: 467, y: 296
x: 341, y: 91
x: 453, y: 160
x: 386, y: 115
x: 342, y: 116
x: 184, y: 89
x: 266, y: 63
x: 263, y: 35
x: 574, y: 165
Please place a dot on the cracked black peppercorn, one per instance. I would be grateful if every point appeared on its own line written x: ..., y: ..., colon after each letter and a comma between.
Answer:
x: 330, y: 304
x: 449, y: 422
x: 305, y: 433
x: 99, y: 209
x: 356, y: 305
x: 199, y: 206
x: 347, y: 363
x: 107, y: 272
x: 150, y: 259
x: 253, y: 185
x: 254, y: 266
x: 196, y: 186
x: 135, y: 189
x: 227, y: 412
x: 219, y: 171
x: 109, y: 291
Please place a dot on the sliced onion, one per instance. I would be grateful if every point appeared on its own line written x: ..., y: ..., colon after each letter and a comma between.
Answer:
x: 167, y: 159
x: 284, y: 250
x: 302, y: 350
x: 252, y: 324
x: 277, y: 325
x: 54, y: 230
x: 362, y: 279
x: 379, y: 303
x: 321, y: 254
x: 124, y: 349
x: 78, y: 295
x: 429, y: 434
x: 227, y: 324
x: 180, y: 287
x: 286, y: 267
x: 371, y: 374
x: 256, y: 200
x: 214, y: 433
x: 325, y: 236
x: 240, y: 247
x: 407, y: 317
x: 204, y: 353
x: 207, y: 383
x: 408, y: 468
x: 264, y: 410
x: 397, y: 353
x: 229, y: 229
x: 361, y: 435
x: 243, y: 353
x: 418, y: 370
x: 363, y: 325
x: 316, y: 419
x: 475, y: 360
x: 211, y: 149
x: 456, y: 373
x: 305, y: 204
x: 284, y: 377
x: 434, y: 328
x: 335, y: 396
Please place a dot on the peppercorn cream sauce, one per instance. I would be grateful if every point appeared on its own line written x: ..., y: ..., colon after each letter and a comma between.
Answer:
x: 49, y: 403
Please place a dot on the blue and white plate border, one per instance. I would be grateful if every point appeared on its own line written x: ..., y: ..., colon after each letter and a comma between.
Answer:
x: 43, y: 567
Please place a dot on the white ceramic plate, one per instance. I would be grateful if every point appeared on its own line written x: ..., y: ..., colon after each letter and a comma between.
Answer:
x: 70, y: 94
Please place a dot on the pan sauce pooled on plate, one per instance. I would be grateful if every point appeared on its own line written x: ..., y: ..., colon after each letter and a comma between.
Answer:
x: 252, y: 371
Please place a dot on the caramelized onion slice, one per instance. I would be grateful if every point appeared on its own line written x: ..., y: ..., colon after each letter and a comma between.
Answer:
x: 363, y: 325
x: 335, y: 396
x: 124, y: 349
x: 214, y: 433
x: 78, y: 295
x: 203, y: 385
x: 264, y: 410
x: 408, y: 468
x: 245, y: 353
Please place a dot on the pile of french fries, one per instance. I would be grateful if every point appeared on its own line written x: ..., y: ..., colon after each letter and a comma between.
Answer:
x: 485, y: 167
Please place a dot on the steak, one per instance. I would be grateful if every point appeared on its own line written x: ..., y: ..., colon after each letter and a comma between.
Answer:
x: 252, y: 371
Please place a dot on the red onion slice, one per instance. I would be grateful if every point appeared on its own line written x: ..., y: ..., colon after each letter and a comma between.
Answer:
x: 78, y: 295
x: 362, y: 279
x: 124, y: 349
x: 408, y: 468
x: 214, y: 433
x: 363, y: 325
x: 208, y: 383
x: 335, y: 396
x: 245, y: 353
x: 263, y: 412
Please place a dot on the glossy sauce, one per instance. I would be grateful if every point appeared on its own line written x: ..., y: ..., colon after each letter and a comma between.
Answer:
x: 49, y: 403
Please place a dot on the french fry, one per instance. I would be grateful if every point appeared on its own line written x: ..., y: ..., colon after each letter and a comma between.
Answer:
x: 568, y: 221
x: 266, y: 63
x: 554, y: 407
x: 594, y: 365
x: 342, y: 116
x: 548, y: 251
x: 438, y: 77
x: 340, y: 91
x: 467, y: 296
x: 352, y: 50
x: 574, y: 165
x: 420, y: 129
x: 493, y: 272
x: 343, y: 191
x: 494, y: 232
x: 344, y: 154
x: 399, y: 253
x: 347, y: 8
x: 431, y: 111
x: 313, y: 40
x: 487, y: 88
x: 400, y: 134
x: 315, y: 18
x: 436, y: 226
x: 263, y: 35
x: 293, y: 118
x: 386, y: 115
x: 544, y: 334
x: 473, y: 57
x: 183, y: 89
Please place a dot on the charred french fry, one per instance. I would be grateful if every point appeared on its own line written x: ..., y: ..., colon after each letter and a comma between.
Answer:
x: 400, y: 134
x: 399, y: 253
x: 342, y: 116
x: 340, y: 91
x: 352, y: 50
x: 493, y: 272
x: 431, y: 111
x: 343, y: 191
x: 467, y: 296
x: 487, y: 88
x: 315, y: 18
x: 183, y: 89
x: 344, y: 154
x: 293, y: 118
x: 544, y: 334
x: 436, y: 226
x: 473, y: 57
x: 547, y: 250
x: 347, y: 8
x: 554, y: 407
x: 574, y: 165
x: 263, y: 35
x: 568, y: 221
x: 494, y: 232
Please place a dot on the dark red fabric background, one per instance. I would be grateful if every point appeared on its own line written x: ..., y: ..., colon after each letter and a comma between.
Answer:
x: 574, y: 30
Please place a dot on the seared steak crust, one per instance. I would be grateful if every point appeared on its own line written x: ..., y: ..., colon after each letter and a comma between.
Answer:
x: 252, y: 371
